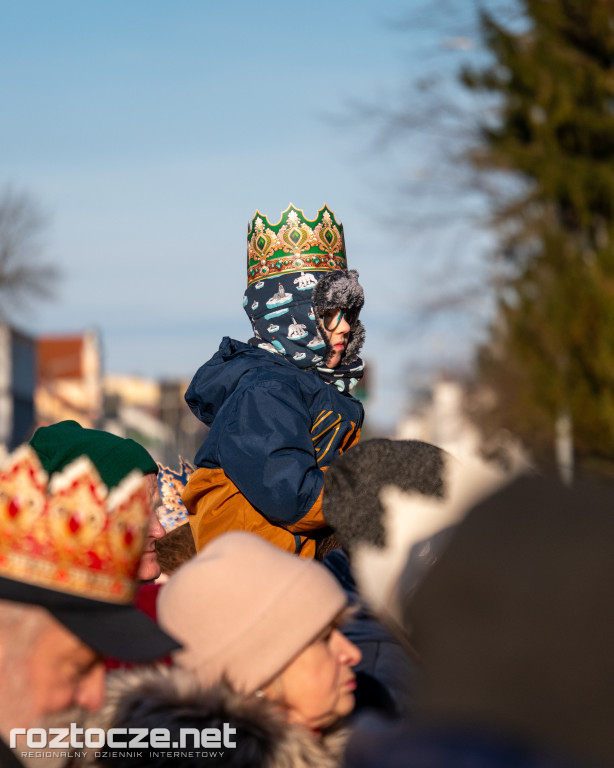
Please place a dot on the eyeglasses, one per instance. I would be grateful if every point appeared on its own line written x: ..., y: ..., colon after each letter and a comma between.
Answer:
x: 333, y: 317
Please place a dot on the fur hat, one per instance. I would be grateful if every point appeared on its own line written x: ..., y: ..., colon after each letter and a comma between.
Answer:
x: 413, y: 518
x: 351, y: 498
x: 341, y: 289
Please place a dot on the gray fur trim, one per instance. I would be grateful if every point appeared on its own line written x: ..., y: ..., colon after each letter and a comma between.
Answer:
x: 341, y: 288
x: 170, y: 697
x: 357, y: 339
x: 351, y: 502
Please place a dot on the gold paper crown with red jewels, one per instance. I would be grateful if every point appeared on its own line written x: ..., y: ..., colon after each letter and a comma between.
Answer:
x: 71, y: 534
x: 294, y: 244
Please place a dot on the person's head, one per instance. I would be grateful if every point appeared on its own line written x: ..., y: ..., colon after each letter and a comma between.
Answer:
x: 114, y: 458
x: 177, y: 545
x: 266, y: 621
x: 337, y: 299
x: 172, y: 698
x: 515, y: 622
x: 175, y: 548
x: 336, y: 326
x: 69, y: 557
x: 297, y: 273
x: 149, y: 567
x: 317, y: 687
x: 49, y: 676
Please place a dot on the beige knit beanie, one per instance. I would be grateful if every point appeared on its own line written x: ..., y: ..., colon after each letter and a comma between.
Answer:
x: 243, y: 609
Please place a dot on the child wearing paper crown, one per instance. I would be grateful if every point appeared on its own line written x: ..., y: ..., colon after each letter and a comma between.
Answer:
x: 279, y: 407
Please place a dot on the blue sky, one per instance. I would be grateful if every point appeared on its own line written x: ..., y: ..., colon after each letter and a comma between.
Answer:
x: 151, y: 130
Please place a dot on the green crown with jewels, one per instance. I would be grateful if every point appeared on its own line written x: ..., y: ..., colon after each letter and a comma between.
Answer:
x: 294, y: 244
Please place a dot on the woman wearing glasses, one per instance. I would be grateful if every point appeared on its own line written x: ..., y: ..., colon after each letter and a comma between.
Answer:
x: 279, y: 407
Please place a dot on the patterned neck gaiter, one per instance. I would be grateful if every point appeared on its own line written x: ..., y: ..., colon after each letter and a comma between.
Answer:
x: 284, y: 321
x: 283, y: 318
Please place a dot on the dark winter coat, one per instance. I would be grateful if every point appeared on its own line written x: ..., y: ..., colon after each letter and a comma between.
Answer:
x: 382, y: 745
x: 274, y: 428
x: 386, y: 675
x: 8, y: 757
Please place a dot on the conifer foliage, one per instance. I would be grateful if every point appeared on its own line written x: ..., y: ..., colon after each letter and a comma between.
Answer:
x: 551, y: 350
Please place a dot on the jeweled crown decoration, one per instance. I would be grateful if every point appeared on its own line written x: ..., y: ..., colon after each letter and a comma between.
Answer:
x: 71, y: 534
x: 294, y: 244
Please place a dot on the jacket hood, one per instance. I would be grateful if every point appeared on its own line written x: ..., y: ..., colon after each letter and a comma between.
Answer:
x: 286, y: 317
x: 169, y: 697
x: 220, y: 375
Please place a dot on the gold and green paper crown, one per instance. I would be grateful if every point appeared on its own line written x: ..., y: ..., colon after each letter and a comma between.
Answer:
x: 294, y: 244
x: 70, y: 534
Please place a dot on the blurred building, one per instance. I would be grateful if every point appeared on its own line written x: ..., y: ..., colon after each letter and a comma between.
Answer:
x: 187, y: 431
x: 133, y: 390
x: 17, y: 387
x: 53, y: 378
x: 154, y: 414
x: 131, y: 409
x: 439, y: 417
x: 69, y: 380
x: 443, y: 416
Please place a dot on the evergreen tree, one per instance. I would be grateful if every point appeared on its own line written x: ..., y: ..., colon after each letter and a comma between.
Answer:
x: 552, y: 348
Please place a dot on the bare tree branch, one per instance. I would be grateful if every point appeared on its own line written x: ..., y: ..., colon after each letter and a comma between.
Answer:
x: 24, y: 275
